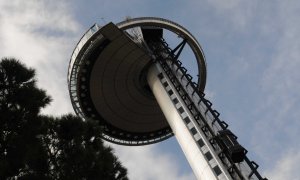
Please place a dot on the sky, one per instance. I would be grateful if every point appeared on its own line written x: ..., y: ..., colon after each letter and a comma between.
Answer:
x: 252, y: 51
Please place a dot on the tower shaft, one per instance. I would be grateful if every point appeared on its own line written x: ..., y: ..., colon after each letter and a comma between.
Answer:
x: 198, y: 151
x: 211, y: 149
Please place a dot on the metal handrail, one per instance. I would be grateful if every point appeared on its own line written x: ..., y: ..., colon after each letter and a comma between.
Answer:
x: 92, y: 30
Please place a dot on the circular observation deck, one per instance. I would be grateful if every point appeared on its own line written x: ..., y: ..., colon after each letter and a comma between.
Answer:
x: 107, y: 79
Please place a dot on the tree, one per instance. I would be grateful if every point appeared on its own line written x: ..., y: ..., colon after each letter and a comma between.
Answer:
x: 20, y: 103
x: 76, y: 150
x: 35, y: 146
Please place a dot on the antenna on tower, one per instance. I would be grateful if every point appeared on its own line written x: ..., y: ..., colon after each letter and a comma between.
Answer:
x: 103, y: 20
x: 127, y: 18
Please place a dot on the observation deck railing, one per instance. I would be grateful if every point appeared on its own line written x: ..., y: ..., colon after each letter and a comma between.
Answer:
x: 80, y: 44
x: 74, y: 66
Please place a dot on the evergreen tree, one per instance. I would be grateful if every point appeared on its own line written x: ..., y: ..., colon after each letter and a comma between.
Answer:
x: 34, y: 146
x: 76, y: 150
x: 20, y: 102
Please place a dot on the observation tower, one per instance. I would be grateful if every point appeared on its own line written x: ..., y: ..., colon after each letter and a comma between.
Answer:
x: 127, y: 77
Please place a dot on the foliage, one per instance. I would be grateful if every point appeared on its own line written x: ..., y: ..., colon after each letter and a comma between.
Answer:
x: 34, y: 146
x: 76, y: 150
x: 20, y: 102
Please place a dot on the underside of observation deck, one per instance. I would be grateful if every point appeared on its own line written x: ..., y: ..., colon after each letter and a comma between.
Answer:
x: 113, y: 90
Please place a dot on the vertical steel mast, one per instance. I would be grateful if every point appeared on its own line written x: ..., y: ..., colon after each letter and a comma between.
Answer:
x: 126, y: 77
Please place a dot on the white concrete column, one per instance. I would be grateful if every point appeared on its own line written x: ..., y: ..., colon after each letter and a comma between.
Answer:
x: 196, y: 159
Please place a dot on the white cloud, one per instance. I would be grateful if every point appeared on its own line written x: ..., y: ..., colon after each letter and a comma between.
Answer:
x: 149, y: 163
x: 32, y: 15
x: 42, y: 35
x: 238, y: 14
x: 279, y: 108
x: 287, y: 167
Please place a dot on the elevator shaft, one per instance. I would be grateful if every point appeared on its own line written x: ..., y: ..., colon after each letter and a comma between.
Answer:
x: 195, y: 146
x: 210, y: 147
